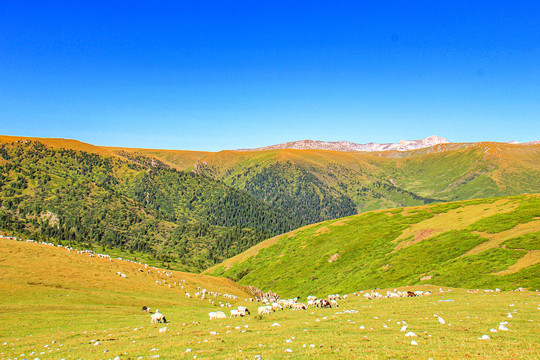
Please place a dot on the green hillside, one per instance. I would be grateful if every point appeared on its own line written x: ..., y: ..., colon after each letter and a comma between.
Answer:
x: 129, y: 203
x: 359, y: 182
x: 479, y: 243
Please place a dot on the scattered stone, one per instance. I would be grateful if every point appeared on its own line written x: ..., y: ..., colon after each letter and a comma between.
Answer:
x: 275, y: 324
x: 410, y: 333
x: 493, y: 330
x: 413, y: 342
x: 288, y: 350
x: 502, y: 327
x: 404, y: 328
x: 484, y: 337
x: 97, y: 343
x: 188, y: 350
x: 163, y: 329
x: 441, y: 320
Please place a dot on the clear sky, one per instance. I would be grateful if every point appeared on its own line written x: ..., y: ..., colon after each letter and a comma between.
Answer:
x: 212, y: 75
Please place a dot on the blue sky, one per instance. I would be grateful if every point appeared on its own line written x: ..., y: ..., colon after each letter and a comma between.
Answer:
x: 214, y: 75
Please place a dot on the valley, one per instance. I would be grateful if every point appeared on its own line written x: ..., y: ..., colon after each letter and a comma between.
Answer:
x: 116, y: 229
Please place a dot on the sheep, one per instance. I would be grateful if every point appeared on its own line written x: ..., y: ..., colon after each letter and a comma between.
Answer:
x: 217, y: 315
x: 157, y: 318
x: 276, y: 306
x: 333, y: 303
x: 299, y: 306
x: 264, y: 310
x: 146, y: 309
x: 236, y: 313
x: 244, y: 309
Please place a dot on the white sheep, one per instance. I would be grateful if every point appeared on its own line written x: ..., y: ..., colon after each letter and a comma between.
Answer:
x: 264, y: 310
x: 244, y: 309
x: 217, y: 315
x: 157, y: 318
x: 237, y: 313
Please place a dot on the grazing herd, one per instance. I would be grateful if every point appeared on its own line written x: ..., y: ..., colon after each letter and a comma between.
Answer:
x: 273, y: 303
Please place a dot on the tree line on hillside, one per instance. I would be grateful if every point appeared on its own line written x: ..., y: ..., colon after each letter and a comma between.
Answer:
x: 132, y: 204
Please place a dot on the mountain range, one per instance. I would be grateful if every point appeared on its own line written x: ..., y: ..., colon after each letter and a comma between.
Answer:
x: 190, y: 210
x: 403, y: 145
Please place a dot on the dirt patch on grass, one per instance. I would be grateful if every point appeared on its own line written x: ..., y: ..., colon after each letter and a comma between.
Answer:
x: 531, y: 258
x: 421, y: 235
x: 321, y: 230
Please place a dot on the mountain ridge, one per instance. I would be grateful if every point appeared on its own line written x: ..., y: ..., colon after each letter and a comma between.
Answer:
x: 403, y: 145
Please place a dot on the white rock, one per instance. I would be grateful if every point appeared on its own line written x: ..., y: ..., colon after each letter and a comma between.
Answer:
x: 484, y: 337
x: 493, y: 330
x: 510, y: 315
x: 275, y: 324
x: 502, y: 327
x: 163, y: 329
x: 288, y: 341
x: 410, y: 333
x: 97, y: 343
x: 362, y: 327
x: 403, y: 328
x: 288, y: 350
x: 188, y: 350
x: 413, y: 342
x: 441, y: 320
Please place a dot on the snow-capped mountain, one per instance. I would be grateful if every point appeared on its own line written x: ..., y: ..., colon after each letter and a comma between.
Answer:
x: 403, y: 145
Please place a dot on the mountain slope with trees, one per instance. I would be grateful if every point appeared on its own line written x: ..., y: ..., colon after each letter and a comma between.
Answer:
x: 134, y: 203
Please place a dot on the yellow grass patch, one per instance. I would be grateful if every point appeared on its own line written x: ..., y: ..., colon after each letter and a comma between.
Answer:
x: 58, y: 143
x: 498, y: 238
x: 340, y: 222
x: 421, y: 235
x: 35, y: 265
x: 531, y: 258
x: 178, y: 159
x: 455, y: 219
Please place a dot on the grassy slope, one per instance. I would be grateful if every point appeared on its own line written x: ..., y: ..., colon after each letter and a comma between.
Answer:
x: 399, y: 247
x: 54, y: 303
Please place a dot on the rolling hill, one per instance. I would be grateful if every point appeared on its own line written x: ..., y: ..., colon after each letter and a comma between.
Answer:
x: 478, y: 243
x: 130, y: 203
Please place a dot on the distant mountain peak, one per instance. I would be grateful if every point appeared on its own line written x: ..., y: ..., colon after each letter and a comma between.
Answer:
x: 403, y: 145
